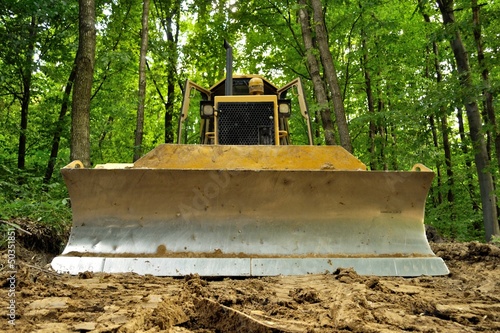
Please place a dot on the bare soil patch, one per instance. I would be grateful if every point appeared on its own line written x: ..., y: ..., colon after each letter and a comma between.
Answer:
x: 468, y: 300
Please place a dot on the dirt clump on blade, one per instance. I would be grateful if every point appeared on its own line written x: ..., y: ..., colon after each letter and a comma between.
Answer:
x: 468, y: 300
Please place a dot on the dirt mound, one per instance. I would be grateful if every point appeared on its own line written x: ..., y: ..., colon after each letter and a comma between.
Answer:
x: 37, y: 237
x: 468, y: 300
x: 470, y: 252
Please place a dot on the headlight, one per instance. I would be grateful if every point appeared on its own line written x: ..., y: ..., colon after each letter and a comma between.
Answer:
x: 284, y: 107
x: 206, y: 109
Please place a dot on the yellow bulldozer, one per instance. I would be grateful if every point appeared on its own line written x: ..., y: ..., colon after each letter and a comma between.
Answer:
x: 245, y: 201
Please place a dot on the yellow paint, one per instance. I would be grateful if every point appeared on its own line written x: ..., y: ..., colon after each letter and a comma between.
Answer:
x: 229, y: 157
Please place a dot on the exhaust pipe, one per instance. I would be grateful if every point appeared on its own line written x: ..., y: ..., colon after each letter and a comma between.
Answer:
x: 229, y: 68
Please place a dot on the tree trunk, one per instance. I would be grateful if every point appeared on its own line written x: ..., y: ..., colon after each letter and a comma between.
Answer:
x: 82, y: 90
x: 381, y: 143
x: 25, y: 101
x: 447, y: 158
x: 169, y: 109
x: 488, y: 197
x: 372, y: 129
x: 468, y: 162
x: 169, y: 105
x: 169, y: 14
x: 331, y: 75
x: 493, y: 131
x: 444, y: 129
x: 439, y: 195
x: 314, y: 71
x: 59, y: 127
x: 443, y: 121
x: 26, y: 95
x: 139, y: 130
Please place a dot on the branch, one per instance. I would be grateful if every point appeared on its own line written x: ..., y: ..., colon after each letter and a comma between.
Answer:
x: 16, y: 226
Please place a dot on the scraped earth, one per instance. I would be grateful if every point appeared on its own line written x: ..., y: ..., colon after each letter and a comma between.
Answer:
x: 468, y: 300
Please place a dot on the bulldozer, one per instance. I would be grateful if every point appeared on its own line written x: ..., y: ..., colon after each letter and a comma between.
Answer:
x: 244, y: 201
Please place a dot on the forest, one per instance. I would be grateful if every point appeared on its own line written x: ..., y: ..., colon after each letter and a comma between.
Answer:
x: 394, y: 82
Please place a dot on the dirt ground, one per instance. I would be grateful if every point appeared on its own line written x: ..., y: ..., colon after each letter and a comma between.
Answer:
x: 468, y: 300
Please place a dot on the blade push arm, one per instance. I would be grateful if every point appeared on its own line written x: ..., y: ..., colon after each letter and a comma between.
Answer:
x: 299, y: 92
x: 188, y: 88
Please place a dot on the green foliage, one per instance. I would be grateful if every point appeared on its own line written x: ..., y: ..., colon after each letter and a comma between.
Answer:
x: 455, y: 224
x: 23, y: 195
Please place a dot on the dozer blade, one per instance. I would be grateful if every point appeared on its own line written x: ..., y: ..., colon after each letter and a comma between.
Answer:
x: 247, y: 211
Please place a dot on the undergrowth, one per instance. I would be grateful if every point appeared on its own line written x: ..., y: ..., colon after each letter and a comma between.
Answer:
x: 495, y: 240
x: 454, y: 224
x: 24, y: 196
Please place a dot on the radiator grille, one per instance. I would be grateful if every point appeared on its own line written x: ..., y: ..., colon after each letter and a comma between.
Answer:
x: 247, y: 123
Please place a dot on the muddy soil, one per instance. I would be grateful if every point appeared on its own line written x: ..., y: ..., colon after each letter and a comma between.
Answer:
x: 468, y: 300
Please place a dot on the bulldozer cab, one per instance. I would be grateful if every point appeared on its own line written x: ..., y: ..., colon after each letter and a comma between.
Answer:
x: 256, y: 112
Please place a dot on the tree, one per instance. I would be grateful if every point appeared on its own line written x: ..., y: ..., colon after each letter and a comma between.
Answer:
x: 443, y: 121
x: 26, y: 92
x: 487, y: 191
x: 331, y: 74
x: 490, y: 117
x: 142, y: 81
x: 314, y: 72
x: 18, y: 35
x: 169, y: 16
x: 82, y: 91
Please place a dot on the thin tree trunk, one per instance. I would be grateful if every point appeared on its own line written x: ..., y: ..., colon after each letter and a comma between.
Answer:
x: 439, y: 177
x: 169, y: 105
x: 59, y: 127
x: 443, y: 120
x: 169, y: 15
x: 394, y: 145
x: 139, y: 130
x: 104, y: 135
x: 444, y: 130
x: 82, y: 90
x: 25, y: 99
x: 447, y: 158
x: 468, y: 162
x: 381, y: 131
x: 21, y: 153
x: 314, y: 71
x: 372, y: 129
x: 488, y: 197
x: 331, y: 74
x: 169, y: 109
x: 432, y: 121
